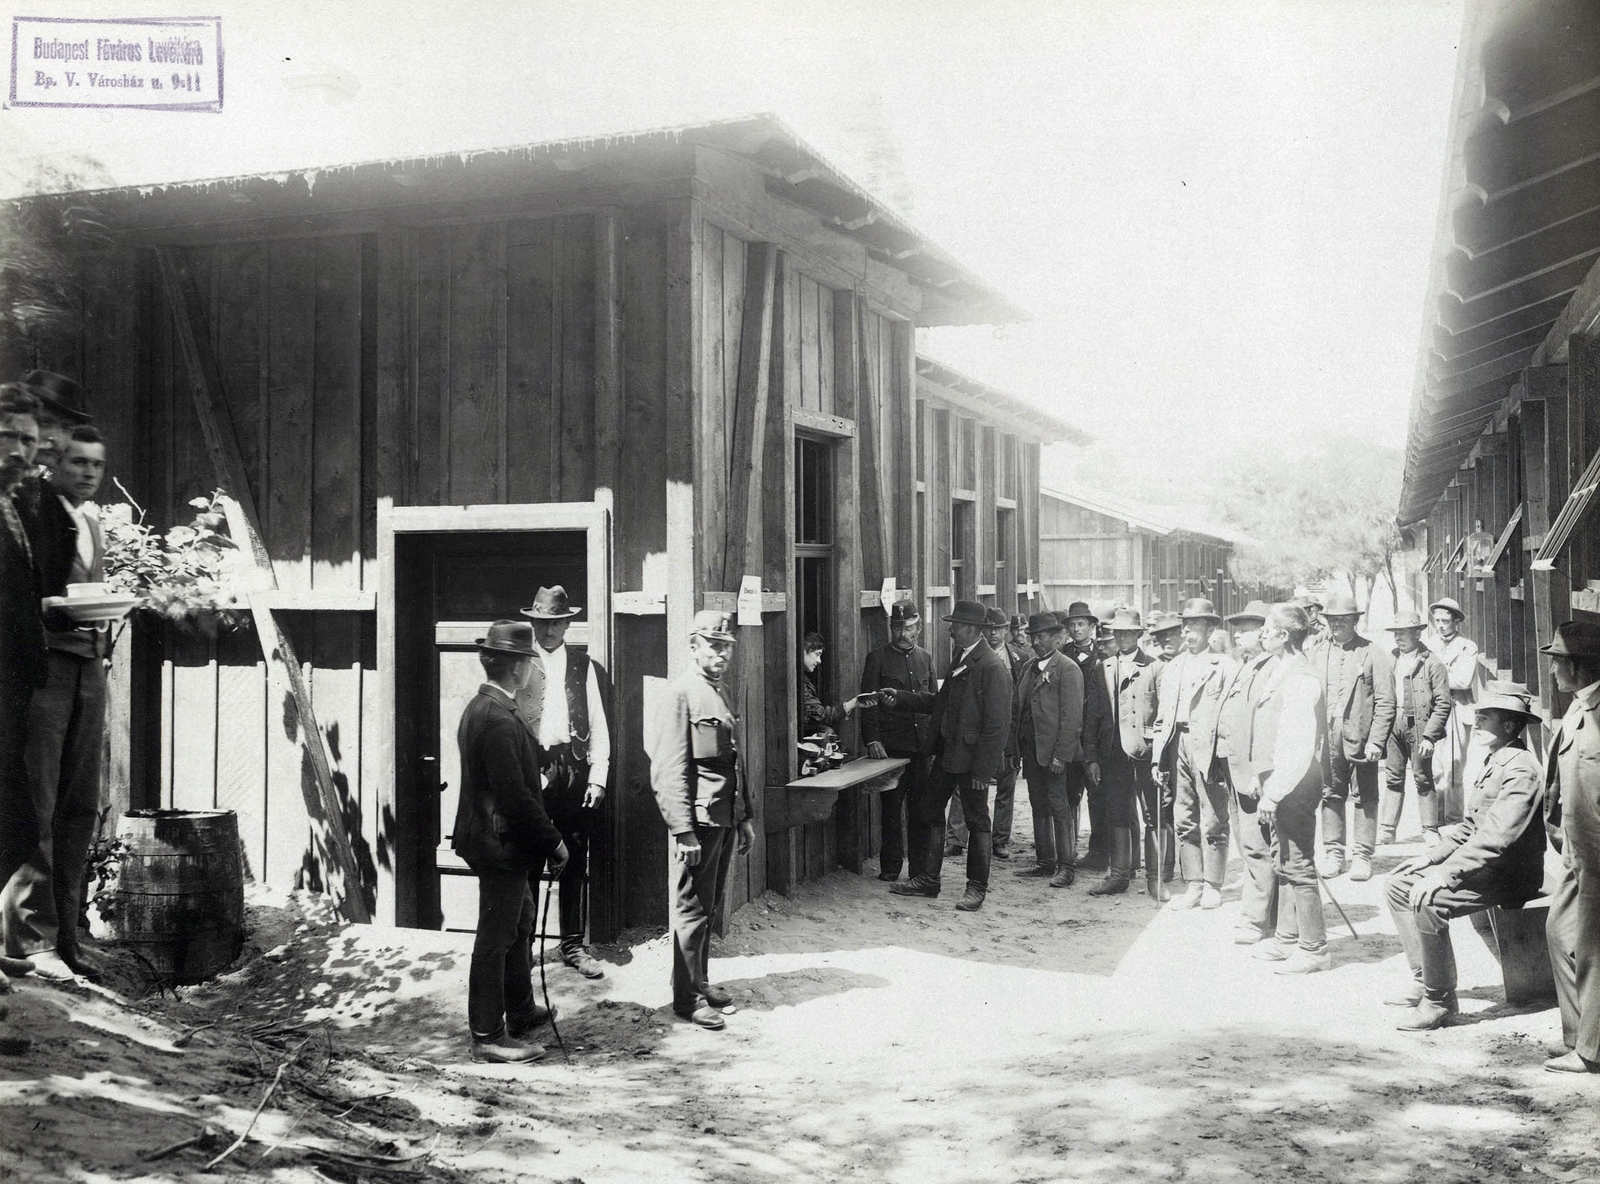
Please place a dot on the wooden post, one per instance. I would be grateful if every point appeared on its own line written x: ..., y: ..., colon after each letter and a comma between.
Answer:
x: 750, y: 415
x: 324, y: 811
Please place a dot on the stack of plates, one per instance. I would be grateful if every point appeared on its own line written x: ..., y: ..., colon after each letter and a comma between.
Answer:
x: 86, y: 610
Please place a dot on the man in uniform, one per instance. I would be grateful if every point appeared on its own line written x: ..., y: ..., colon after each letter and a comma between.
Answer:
x: 1494, y: 856
x: 1130, y: 682
x: 66, y: 720
x: 1573, y: 785
x: 1258, y: 894
x: 1160, y: 845
x: 1189, y: 698
x: 971, y: 715
x: 1422, y: 717
x: 1047, y: 723
x: 699, y: 783
x: 897, y: 731
x: 504, y: 834
x: 1316, y: 627
x: 1458, y: 654
x: 567, y: 704
x: 1098, y: 737
x: 1358, y: 694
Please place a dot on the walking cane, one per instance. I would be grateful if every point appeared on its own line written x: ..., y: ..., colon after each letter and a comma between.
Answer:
x: 1342, y: 914
x: 544, y: 986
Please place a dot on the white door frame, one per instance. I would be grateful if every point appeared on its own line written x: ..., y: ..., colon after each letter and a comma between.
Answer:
x: 593, y: 518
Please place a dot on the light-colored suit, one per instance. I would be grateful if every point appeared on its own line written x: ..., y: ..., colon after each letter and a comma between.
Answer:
x: 1189, y: 702
x: 1572, y: 795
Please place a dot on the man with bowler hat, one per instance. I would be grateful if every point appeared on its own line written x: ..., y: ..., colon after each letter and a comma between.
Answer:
x: 1130, y: 682
x: 971, y: 715
x: 1358, y: 695
x: 1572, y: 778
x: 567, y: 704
x: 1188, y: 701
x: 504, y: 834
x: 1458, y: 653
x: 1047, y: 723
x: 1493, y: 856
x: 898, y: 731
x: 1258, y: 894
x: 697, y: 773
x: 1422, y: 717
x: 1165, y: 640
x: 1098, y: 735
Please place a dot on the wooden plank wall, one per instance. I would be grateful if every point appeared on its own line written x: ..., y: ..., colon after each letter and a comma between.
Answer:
x: 1084, y: 555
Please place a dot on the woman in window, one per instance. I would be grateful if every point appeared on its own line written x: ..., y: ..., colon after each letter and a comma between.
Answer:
x: 814, y: 713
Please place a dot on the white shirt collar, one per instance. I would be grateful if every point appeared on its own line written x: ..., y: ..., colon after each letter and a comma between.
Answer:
x: 504, y: 694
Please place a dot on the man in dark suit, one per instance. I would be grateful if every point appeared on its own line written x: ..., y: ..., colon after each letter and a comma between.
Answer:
x: 1130, y: 683
x: 1493, y: 856
x: 698, y: 776
x: 66, y: 719
x: 1358, y: 692
x: 971, y: 714
x: 1572, y: 780
x: 1098, y: 736
x: 1047, y: 724
x: 898, y: 731
x: 997, y: 633
x: 23, y: 661
x: 504, y: 834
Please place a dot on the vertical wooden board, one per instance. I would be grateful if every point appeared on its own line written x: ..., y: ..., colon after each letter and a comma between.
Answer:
x: 607, y: 347
x: 367, y: 416
x: 825, y: 350
x: 430, y: 429
x: 712, y: 446
x: 476, y: 411
x: 291, y: 359
x: 902, y: 372
x: 193, y: 474
x: 336, y: 417
x: 288, y: 838
x: 336, y: 700
x: 641, y: 507
x: 242, y: 753
x: 194, y: 724
x: 393, y: 285
x: 530, y: 355
x: 578, y: 360
x: 734, y: 256
x: 107, y: 370
x: 810, y: 349
x: 238, y: 314
x: 377, y: 834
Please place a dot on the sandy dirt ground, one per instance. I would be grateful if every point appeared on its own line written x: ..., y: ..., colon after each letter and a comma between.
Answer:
x: 1053, y: 1036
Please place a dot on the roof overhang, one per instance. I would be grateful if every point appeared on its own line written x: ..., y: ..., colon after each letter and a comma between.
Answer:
x: 1018, y: 414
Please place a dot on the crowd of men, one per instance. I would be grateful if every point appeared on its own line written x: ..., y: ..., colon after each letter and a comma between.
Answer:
x: 52, y: 674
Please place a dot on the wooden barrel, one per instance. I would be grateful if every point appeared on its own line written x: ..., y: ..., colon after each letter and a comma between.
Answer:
x: 178, y: 896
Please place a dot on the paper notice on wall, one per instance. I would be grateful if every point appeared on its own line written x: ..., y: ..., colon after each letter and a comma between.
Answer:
x: 750, y: 600
x: 887, y: 596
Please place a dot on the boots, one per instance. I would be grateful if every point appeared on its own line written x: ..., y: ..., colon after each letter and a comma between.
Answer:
x: 1044, y: 847
x: 1117, y: 876
x: 1154, y: 888
x: 980, y: 849
x: 1429, y: 1013
x: 1066, y: 835
x: 924, y: 855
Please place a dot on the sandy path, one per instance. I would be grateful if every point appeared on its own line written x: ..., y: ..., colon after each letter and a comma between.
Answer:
x: 1053, y: 1036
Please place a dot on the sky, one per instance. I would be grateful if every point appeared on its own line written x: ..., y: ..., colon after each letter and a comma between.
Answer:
x: 1219, y: 212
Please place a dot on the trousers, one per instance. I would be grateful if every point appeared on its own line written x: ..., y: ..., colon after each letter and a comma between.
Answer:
x: 1121, y: 781
x: 1300, y: 916
x: 1341, y: 776
x: 1573, y: 930
x: 696, y: 895
x: 925, y: 824
x: 892, y: 810
x: 1400, y: 757
x: 42, y: 898
x: 1200, y: 817
x: 1005, y: 804
x: 1258, y: 894
x: 568, y: 781
x: 500, y: 980
x: 1053, y: 799
x: 1425, y: 932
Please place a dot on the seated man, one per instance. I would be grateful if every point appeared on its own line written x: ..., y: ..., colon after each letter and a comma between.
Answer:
x: 1494, y: 856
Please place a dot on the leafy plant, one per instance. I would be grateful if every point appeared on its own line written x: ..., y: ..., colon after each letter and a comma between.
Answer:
x: 193, y: 574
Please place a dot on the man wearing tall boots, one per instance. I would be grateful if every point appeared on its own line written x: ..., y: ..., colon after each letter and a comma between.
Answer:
x: 567, y: 704
x: 1098, y: 734
x: 697, y: 773
x: 997, y: 632
x: 1189, y: 698
x: 1130, y: 682
x: 1258, y: 894
x: 1165, y: 632
x: 1458, y: 653
x: 971, y: 715
x: 1358, y: 693
x: 43, y: 899
x: 1422, y: 717
x: 898, y: 731
x: 504, y: 834
x: 1047, y: 723
x: 1493, y: 856
x: 1573, y: 787
x: 1285, y: 728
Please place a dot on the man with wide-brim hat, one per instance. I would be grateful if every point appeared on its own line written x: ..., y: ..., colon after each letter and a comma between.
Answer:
x: 697, y: 772
x: 1258, y: 893
x: 1047, y: 725
x: 1422, y: 719
x: 1098, y: 737
x: 567, y: 703
x: 997, y: 632
x: 897, y: 731
x: 1163, y: 642
x: 971, y: 714
x: 1310, y: 601
x: 1573, y: 783
x: 504, y: 834
x: 1493, y: 857
x: 1188, y: 700
x: 1130, y: 683
x: 1359, y: 698
x: 1454, y: 759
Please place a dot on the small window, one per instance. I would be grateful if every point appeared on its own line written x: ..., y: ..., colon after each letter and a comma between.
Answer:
x: 813, y: 492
